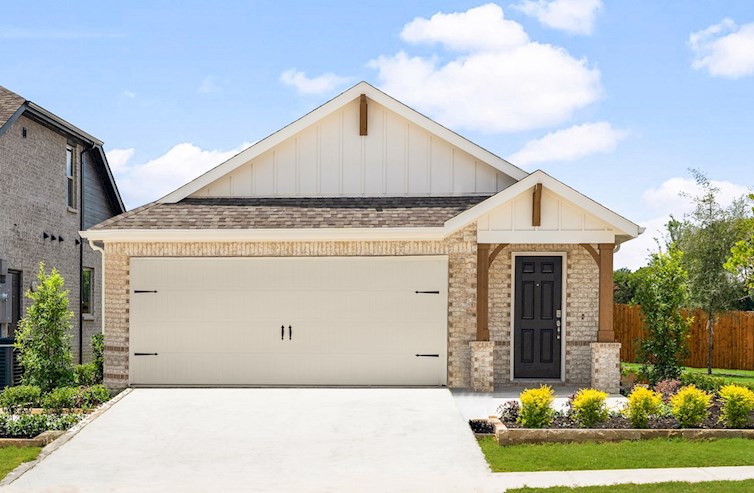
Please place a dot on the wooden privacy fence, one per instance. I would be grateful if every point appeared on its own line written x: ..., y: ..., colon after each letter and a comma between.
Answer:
x: 733, y: 340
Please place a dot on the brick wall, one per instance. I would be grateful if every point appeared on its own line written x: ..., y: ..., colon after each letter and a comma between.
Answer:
x: 33, y: 201
x: 460, y: 248
x: 581, y: 301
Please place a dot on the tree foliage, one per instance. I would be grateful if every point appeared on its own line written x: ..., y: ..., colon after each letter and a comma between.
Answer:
x: 706, y: 237
x: 43, y: 336
x: 661, y: 292
x: 741, y: 260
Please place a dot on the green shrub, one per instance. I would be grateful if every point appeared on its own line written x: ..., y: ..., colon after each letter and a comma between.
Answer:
x: 738, y: 402
x: 707, y: 383
x: 61, y: 398
x: 98, y: 351
x: 690, y: 406
x: 43, y: 335
x: 85, y: 374
x: 536, y: 407
x: 31, y: 425
x: 20, y: 398
x: 93, y: 396
x: 642, y: 403
x: 589, y: 408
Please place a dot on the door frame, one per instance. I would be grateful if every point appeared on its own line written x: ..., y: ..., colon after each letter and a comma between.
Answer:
x: 564, y: 318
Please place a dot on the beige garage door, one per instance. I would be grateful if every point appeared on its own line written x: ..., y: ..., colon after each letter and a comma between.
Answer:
x: 289, y: 321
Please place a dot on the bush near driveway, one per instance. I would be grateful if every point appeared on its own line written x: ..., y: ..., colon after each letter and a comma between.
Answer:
x: 738, y: 403
x: 20, y: 399
x: 31, y: 425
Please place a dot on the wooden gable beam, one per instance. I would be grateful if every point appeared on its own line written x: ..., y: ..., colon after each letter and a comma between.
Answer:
x: 363, y: 114
x: 536, y: 211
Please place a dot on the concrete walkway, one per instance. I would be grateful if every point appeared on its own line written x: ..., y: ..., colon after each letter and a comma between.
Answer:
x: 265, y: 440
x: 506, y: 480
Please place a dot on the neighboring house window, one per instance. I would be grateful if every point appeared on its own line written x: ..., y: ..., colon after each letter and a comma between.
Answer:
x: 69, y: 177
x: 87, y: 288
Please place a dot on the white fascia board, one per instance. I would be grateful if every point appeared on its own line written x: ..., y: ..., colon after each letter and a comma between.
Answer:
x: 322, y: 111
x: 546, y: 237
x: 621, y: 224
x: 290, y: 234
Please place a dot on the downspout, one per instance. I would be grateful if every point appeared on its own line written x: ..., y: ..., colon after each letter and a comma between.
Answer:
x: 81, y: 257
x: 100, y: 249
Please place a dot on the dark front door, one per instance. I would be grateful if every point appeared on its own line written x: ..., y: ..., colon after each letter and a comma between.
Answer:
x: 537, y: 317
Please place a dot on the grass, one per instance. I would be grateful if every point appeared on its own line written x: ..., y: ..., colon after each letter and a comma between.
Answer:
x: 11, y: 457
x: 734, y: 376
x: 704, y: 487
x: 618, y: 455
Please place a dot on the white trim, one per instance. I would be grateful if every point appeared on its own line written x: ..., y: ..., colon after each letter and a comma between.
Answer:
x: 329, y: 107
x: 546, y: 237
x: 102, y: 283
x: 621, y: 224
x: 289, y: 234
x: 563, y: 319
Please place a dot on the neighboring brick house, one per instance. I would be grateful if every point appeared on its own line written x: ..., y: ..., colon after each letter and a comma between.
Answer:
x: 54, y: 182
x: 363, y: 244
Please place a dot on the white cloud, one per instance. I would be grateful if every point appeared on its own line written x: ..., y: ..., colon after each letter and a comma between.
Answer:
x: 500, y: 81
x: 724, y: 49
x: 665, y: 200
x: 312, y: 85
x: 118, y: 159
x: 129, y: 94
x: 481, y: 28
x: 140, y: 183
x: 570, y: 144
x: 573, y: 16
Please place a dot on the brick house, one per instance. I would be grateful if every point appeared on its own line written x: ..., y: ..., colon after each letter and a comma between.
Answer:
x: 54, y: 182
x: 363, y: 244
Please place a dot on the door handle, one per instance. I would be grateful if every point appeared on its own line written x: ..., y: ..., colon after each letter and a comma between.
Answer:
x: 557, y: 324
x: 282, y: 332
x: 290, y: 332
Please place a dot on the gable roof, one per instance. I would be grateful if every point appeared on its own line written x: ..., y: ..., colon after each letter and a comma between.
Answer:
x: 625, y: 228
x: 329, y: 107
x: 13, y: 106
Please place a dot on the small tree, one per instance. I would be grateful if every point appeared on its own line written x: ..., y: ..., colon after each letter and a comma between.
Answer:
x: 706, y: 238
x: 661, y: 292
x: 43, y: 336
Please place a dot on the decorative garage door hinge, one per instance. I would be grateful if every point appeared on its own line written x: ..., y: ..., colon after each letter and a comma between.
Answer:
x: 145, y: 354
x: 144, y: 291
x: 427, y: 355
x: 427, y: 292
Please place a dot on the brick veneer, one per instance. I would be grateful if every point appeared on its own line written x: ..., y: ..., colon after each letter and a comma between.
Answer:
x: 470, y: 364
x: 581, y: 302
x: 606, y: 366
x: 459, y: 247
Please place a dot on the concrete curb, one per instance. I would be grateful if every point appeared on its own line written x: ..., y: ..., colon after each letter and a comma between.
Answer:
x: 62, y: 439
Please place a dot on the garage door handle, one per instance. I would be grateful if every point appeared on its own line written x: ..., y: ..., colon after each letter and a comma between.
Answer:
x: 290, y: 332
x: 427, y: 292
x: 145, y: 354
x: 427, y: 355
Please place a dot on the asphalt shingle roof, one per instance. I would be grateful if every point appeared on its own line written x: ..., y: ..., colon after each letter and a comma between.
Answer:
x: 283, y: 213
x: 9, y: 103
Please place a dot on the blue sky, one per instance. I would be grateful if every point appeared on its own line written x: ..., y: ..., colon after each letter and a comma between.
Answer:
x: 617, y: 99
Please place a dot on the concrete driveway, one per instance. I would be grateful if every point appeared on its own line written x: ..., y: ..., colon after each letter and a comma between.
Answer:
x: 264, y: 440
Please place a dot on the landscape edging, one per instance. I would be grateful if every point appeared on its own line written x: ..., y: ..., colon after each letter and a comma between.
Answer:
x: 62, y: 439
x: 516, y: 436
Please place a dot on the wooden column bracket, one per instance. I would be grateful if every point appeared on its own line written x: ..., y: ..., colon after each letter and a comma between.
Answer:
x: 536, y: 210
x: 363, y: 114
x: 496, y: 252
x: 589, y: 248
x: 482, y: 292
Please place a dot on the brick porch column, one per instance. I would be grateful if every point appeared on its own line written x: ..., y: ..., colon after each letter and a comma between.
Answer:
x: 482, y: 366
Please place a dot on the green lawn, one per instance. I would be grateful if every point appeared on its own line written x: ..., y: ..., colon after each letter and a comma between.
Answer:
x: 735, y: 376
x: 11, y: 457
x: 618, y: 455
x: 705, y: 487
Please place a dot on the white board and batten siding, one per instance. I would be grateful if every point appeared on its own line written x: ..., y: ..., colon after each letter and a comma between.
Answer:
x: 289, y: 321
x: 330, y: 159
x: 561, y: 222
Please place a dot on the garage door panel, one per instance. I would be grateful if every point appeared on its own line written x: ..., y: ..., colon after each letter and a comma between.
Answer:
x: 355, y: 321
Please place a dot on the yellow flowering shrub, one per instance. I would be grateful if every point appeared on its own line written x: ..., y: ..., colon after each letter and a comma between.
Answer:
x: 536, y: 407
x: 690, y: 406
x: 738, y: 403
x: 589, y: 408
x: 642, y: 403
